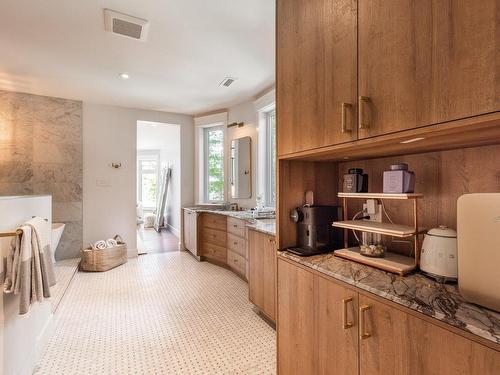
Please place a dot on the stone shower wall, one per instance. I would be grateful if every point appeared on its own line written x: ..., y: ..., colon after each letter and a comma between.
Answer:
x: 41, y: 153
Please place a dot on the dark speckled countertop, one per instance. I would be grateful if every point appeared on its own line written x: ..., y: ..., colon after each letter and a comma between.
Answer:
x: 414, y: 291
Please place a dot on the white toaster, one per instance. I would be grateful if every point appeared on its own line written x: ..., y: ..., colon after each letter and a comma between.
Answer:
x: 478, y: 235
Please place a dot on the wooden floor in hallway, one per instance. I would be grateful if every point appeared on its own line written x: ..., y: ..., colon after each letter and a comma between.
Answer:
x: 150, y: 241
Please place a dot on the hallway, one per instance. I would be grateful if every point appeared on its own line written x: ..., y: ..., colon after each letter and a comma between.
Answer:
x: 159, y: 314
x: 150, y: 241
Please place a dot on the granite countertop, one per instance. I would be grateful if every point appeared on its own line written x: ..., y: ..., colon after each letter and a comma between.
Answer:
x: 267, y: 225
x: 414, y: 291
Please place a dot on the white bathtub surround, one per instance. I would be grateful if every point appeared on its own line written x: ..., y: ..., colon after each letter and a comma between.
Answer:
x: 57, y: 231
x: 22, y: 336
x: 30, y: 272
x: 159, y: 313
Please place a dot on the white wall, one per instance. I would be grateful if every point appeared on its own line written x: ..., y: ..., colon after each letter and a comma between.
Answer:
x: 109, y: 195
x: 247, y: 112
x: 167, y: 139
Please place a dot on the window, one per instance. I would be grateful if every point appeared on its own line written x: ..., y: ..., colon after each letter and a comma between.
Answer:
x: 214, y: 163
x: 147, y: 178
x: 271, y: 158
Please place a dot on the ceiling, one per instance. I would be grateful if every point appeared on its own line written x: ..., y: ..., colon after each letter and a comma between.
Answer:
x: 59, y: 48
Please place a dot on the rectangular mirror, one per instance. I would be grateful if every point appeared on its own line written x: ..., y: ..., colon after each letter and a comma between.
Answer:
x: 241, y: 168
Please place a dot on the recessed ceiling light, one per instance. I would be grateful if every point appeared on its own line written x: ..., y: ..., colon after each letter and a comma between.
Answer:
x: 412, y: 140
x: 124, y: 76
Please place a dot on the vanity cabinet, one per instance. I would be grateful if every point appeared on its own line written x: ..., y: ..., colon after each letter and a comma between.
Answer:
x: 327, y: 328
x: 316, y: 72
x: 426, y: 62
x: 262, y: 272
x: 217, y: 238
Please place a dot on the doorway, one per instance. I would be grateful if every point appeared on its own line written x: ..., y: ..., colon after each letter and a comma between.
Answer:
x: 158, y: 187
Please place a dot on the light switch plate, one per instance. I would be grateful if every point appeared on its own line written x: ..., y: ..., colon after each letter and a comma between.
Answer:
x: 103, y: 182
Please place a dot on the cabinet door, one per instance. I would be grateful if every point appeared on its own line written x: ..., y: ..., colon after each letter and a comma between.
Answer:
x: 426, y: 62
x: 316, y: 73
x: 337, y: 344
x: 262, y: 272
x: 402, y: 344
x: 190, y: 230
x: 312, y: 338
x: 297, y: 352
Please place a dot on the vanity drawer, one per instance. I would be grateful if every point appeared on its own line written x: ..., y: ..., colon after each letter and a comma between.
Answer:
x: 213, y: 251
x: 213, y: 221
x: 237, y: 244
x: 236, y: 227
x: 236, y: 262
x: 217, y: 237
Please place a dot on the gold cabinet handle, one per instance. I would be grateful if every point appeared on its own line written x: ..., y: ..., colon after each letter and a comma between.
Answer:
x: 363, y: 333
x: 345, y: 323
x: 361, y: 113
x: 345, y: 106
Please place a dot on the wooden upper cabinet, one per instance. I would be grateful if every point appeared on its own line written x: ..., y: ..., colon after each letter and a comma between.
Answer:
x: 402, y: 344
x: 426, y: 62
x: 316, y: 73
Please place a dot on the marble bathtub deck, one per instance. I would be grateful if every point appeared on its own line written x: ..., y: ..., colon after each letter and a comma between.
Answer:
x: 414, y: 291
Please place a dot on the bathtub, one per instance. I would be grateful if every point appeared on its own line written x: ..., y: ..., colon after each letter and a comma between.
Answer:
x: 57, y: 231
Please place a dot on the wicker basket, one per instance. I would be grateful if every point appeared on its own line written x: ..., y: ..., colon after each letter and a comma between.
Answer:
x: 106, y: 259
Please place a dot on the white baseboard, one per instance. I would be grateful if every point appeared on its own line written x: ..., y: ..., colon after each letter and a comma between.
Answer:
x: 174, y: 230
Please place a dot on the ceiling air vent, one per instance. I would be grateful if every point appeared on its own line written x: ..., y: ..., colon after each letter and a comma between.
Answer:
x: 122, y: 24
x: 228, y: 81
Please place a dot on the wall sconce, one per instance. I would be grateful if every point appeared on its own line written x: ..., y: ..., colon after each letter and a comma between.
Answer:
x: 116, y: 165
x: 238, y: 124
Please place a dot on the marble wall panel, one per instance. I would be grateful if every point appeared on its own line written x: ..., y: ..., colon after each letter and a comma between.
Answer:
x: 41, y: 153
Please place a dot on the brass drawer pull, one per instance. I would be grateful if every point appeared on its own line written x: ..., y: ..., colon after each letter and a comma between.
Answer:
x: 344, y: 117
x: 363, y: 333
x: 235, y: 225
x: 345, y: 323
x: 361, y: 113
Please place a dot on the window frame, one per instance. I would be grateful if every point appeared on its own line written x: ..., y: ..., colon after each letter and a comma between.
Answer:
x: 270, y: 176
x: 206, y: 131
x: 144, y: 155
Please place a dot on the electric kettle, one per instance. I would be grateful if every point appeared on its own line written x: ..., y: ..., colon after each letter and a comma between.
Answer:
x: 438, y: 258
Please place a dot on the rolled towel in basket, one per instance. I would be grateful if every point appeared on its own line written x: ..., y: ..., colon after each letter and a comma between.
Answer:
x: 100, y: 245
x: 111, y: 242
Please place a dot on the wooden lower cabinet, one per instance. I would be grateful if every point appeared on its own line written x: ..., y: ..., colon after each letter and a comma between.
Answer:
x: 402, y: 344
x: 262, y: 272
x: 382, y: 340
x: 311, y: 334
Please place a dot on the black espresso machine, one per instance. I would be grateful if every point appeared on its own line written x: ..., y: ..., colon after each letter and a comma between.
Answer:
x: 315, y: 234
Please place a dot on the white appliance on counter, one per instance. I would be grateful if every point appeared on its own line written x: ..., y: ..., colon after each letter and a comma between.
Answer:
x: 438, y: 258
x: 478, y: 228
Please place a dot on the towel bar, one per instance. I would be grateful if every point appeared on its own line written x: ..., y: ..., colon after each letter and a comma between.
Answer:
x: 11, y: 234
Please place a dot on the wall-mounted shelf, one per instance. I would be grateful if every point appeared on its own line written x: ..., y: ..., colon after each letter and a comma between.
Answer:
x: 388, y: 229
x: 391, y: 262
